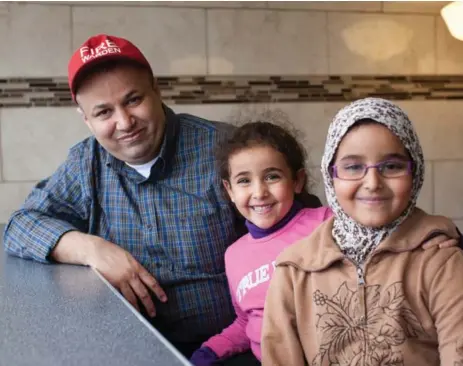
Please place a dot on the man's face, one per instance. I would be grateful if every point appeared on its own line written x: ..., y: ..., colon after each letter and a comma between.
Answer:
x: 123, y: 109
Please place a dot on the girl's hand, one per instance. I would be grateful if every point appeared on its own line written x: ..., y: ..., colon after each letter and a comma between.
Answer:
x: 442, y: 241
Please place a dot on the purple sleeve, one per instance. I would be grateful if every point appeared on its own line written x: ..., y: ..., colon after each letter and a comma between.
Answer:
x: 204, y: 357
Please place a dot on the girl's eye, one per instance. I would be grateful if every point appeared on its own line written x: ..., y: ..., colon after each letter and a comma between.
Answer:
x: 394, y: 166
x: 272, y: 177
x: 242, y: 181
x: 353, y: 167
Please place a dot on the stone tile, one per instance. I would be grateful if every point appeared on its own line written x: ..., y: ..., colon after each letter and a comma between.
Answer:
x: 211, y: 4
x: 369, y: 6
x: 439, y: 127
x: 459, y: 224
x: 315, y: 184
x: 449, y: 51
x: 1, y: 156
x: 212, y: 112
x: 381, y: 44
x: 423, y: 7
x: 425, y: 199
x: 35, y: 40
x: 98, y: 3
x: 448, y: 188
x: 4, y: 9
x: 165, y: 4
x: 12, y: 196
x: 309, y: 120
x: 266, y: 42
x: 34, y: 141
x: 173, y: 40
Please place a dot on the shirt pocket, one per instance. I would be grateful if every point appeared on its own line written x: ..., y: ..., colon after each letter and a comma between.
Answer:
x: 200, y: 240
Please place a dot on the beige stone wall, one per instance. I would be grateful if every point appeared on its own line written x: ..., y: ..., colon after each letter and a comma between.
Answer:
x: 265, y: 38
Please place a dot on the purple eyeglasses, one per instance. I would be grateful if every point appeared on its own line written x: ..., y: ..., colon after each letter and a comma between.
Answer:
x: 387, y: 169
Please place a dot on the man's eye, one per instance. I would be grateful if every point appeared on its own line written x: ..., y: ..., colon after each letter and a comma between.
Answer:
x: 103, y: 113
x: 243, y: 181
x: 134, y: 100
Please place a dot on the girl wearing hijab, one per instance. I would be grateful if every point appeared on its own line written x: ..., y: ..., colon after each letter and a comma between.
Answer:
x: 360, y: 290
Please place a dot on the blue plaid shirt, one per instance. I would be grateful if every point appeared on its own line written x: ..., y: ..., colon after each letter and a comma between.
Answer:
x: 176, y: 223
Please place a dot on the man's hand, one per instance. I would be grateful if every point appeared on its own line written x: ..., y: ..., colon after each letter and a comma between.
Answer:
x: 115, y: 264
x: 442, y: 241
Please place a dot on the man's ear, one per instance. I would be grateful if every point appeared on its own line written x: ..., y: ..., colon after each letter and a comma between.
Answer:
x: 81, y: 112
x: 227, y: 186
x: 299, y: 183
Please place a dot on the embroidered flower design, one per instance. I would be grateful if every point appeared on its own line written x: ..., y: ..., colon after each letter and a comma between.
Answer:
x: 319, y: 298
x: 345, y: 334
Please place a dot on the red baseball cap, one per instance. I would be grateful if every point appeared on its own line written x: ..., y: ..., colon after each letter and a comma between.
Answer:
x: 100, y: 48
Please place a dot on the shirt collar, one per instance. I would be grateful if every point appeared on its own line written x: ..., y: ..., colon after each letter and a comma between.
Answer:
x: 165, y: 153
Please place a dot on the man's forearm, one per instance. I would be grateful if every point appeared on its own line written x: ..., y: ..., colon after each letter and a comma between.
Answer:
x: 33, y: 235
x: 73, y: 248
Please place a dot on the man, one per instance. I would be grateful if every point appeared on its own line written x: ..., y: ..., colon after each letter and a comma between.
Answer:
x: 140, y: 200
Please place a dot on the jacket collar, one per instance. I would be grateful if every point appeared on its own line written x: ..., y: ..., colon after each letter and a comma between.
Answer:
x: 318, y: 251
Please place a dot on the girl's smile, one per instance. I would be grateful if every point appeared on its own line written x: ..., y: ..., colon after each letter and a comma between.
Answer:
x: 262, y: 185
x: 263, y: 209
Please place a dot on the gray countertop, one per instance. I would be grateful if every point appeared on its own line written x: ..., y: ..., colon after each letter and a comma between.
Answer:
x: 68, y: 315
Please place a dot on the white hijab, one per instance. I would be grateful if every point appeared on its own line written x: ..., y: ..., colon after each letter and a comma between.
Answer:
x: 355, y: 240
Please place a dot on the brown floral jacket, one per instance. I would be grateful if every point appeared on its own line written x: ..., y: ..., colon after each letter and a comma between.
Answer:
x: 405, y: 309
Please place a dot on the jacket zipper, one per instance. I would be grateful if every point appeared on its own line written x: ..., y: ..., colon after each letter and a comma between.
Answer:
x: 361, y: 292
x: 362, y: 306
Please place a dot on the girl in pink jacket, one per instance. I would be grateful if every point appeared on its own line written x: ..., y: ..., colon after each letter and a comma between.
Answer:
x: 263, y: 172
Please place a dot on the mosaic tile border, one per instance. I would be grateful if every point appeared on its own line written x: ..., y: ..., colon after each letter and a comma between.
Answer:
x: 211, y: 89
